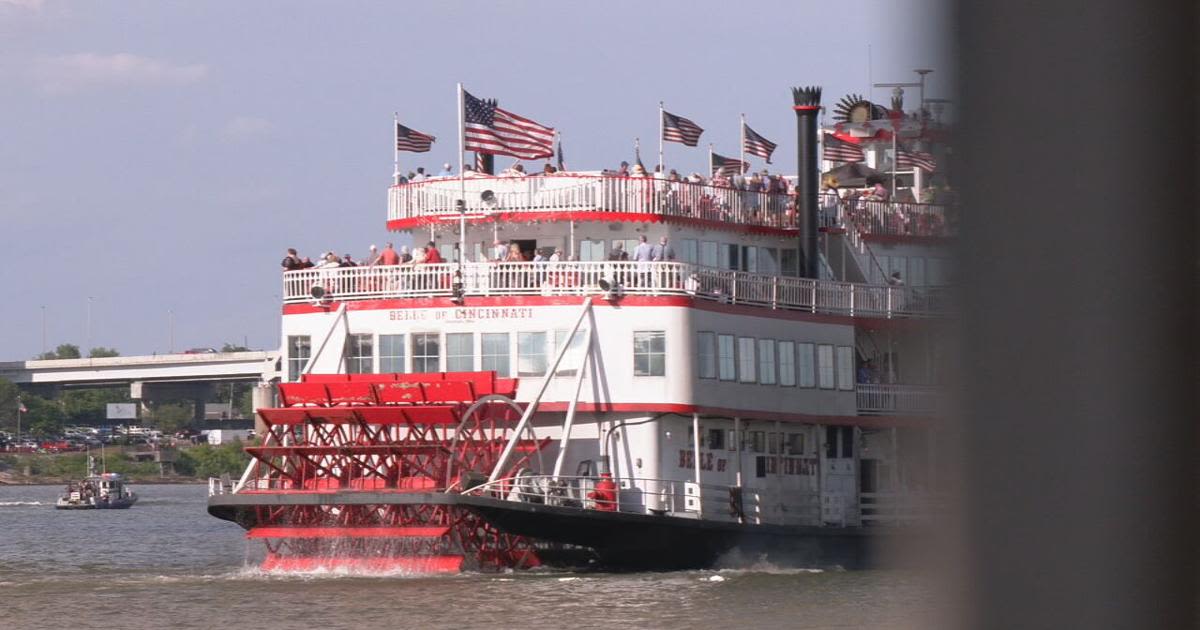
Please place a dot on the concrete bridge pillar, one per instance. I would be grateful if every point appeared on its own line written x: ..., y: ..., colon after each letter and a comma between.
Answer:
x: 263, y: 395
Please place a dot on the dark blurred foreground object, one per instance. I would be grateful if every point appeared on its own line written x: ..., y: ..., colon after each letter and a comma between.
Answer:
x: 1079, y: 314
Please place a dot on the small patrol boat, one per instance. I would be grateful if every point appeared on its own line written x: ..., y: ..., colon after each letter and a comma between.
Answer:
x: 106, y: 491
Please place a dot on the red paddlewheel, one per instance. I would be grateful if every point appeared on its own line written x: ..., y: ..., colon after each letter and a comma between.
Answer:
x: 386, y: 433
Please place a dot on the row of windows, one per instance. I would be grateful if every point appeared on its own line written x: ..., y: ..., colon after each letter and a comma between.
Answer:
x: 534, y: 352
x: 774, y: 362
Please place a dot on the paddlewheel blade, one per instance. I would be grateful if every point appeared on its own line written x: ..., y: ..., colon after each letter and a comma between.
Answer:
x: 380, y: 436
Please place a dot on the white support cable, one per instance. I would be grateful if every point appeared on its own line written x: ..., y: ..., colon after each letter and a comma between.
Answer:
x: 533, y: 404
x: 338, y: 317
x: 569, y: 421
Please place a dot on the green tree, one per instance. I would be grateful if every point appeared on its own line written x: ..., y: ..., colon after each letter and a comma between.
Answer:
x: 101, y: 352
x: 233, y: 347
x: 170, y: 417
x: 90, y: 406
x: 45, y: 417
x: 8, y: 403
x: 63, y: 351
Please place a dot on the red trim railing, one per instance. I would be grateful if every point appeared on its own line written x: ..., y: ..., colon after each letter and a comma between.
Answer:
x: 545, y: 197
x: 623, y: 278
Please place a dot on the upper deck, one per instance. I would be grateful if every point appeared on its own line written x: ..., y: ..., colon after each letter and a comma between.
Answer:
x: 491, y: 279
x: 595, y: 196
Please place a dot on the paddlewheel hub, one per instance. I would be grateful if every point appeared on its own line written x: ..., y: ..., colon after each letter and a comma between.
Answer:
x: 359, y: 457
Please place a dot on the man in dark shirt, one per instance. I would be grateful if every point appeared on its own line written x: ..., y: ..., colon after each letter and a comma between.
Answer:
x: 291, y: 262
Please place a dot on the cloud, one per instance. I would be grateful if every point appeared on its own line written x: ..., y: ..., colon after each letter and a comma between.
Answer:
x: 32, y: 5
x: 244, y: 128
x: 80, y: 71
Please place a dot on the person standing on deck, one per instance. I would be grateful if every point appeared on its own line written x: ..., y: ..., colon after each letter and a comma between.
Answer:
x: 643, y: 254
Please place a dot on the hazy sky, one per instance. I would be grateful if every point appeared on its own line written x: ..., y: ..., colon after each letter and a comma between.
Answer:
x: 160, y: 156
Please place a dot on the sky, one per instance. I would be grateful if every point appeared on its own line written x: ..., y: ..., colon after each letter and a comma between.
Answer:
x: 158, y: 157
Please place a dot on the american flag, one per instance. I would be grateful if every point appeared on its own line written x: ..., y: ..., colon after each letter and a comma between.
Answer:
x: 415, y: 141
x: 838, y: 150
x: 728, y: 166
x: 489, y: 129
x: 914, y: 159
x: 755, y: 144
x: 680, y: 129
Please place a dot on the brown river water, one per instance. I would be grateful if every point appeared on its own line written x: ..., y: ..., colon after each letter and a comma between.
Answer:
x: 166, y: 564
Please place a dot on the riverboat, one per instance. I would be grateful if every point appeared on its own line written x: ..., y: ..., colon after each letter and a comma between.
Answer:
x: 768, y: 393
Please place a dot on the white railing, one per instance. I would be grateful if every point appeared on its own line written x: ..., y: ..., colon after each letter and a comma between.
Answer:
x: 638, y: 495
x: 625, y: 278
x: 892, y: 218
x: 508, y: 198
x: 883, y: 398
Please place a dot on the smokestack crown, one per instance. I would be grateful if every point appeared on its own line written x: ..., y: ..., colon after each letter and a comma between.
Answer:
x: 807, y: 97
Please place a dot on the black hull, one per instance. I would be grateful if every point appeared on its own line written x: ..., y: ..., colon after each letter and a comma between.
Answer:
x: 617, y: 541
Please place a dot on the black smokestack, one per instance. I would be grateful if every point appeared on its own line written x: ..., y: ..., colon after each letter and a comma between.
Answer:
x: 807, y: 106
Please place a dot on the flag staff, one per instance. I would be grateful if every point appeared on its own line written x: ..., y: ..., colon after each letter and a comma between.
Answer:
x: 396, y: 147
x: 660, y: 136
x: 711, y: 170
x: 462, y: 182
x: 895, y: 158
x: 742, y: 157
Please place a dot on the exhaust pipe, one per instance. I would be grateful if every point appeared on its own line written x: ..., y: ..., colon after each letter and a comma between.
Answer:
x: 807, y: 104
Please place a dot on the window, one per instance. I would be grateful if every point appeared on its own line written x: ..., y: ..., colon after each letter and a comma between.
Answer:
x: 726, y: 361
x: 787, y: 363
x: 808, y: 372
x: 573, y: 359
x: 758, y: 441
x: 687, y: 250
x: 789, y: 261
x: 531, y: 354
x: 766, y: 361
x: 299, y: 350
x: 706, y: 355
x: 831, y: 440
x: 591, y: 250
x: 729, y: 256
x: 650, y: 353
x: 845, y: 367
x: 749, y: 258
x: 825, y: 366
x: 494, y: 353
x: 629, y: 245
x: 708, y: 254
x: 768, y: 258
x: 360, y: 354
x: 716, y: 439
x: 916, y: 272
x: 773, y: 443
x: 746, y: 362
x: 460, y: 352
x: 391, y: 354
x: 879, y: 273
x: 426, y: 352
x: 899, y: 265
x: 795, y: 443
x: 847, y: 441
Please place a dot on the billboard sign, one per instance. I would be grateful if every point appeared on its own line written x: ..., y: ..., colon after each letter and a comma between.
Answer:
x: 122, y: 411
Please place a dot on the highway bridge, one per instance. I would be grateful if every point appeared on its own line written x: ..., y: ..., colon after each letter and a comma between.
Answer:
x: 148, y: 377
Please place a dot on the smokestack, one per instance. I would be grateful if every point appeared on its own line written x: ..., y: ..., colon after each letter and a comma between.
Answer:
x: 807, y: 106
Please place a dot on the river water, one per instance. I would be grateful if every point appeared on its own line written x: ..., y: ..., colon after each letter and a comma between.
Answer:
x: 166, y: 564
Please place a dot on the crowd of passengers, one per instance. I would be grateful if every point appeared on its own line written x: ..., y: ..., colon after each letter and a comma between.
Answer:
x: 915, y: 213
x: 501, y: 251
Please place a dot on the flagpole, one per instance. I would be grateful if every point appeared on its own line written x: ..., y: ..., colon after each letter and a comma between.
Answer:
x: 396, y: 147
x: 462, y: 181
x: 743, y: 154
x: 711, y: 171
x: 660, y: 136
x: 895, y: 158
